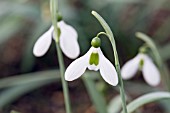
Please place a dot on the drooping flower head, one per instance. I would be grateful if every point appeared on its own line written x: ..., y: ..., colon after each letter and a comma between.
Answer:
x: 144, y: 63
x: 93, y: 60
x: 67, y: 39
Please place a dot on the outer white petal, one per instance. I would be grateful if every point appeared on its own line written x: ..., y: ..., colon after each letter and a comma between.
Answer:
x: 150, y: 72
x: 68, y: 40
x: 107, y: 70
x: 77, y: 67
x: 43, y: 43
x: 68, y: 28
x: 130, y: 68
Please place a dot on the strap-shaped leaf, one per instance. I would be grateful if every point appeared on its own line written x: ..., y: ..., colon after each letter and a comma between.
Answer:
x: 145, y: 99
x: 97, y: 99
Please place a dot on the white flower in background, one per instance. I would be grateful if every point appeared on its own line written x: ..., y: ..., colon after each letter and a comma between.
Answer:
x: 67, y: 40
x: 93, y: 60
x: 145, y: 64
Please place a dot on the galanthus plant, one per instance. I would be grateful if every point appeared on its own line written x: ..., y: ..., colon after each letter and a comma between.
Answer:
x: 67, y: 40
x: 65, y: 37
x: 93, y: 60
x: 144, y: 63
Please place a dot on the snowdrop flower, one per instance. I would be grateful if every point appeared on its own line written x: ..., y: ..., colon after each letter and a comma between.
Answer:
x: 145, y: 64
x: 93, y: 60
x: 67, y: 40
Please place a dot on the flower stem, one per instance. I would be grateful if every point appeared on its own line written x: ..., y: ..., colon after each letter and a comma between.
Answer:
x: 54, y: 10
x: 64, y: 83
x: 109, y: 34
x: 157, y: 56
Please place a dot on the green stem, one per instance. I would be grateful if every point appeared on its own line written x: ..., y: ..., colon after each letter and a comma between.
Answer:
x: 64, y: 83
x: 54, y: 10
x: 109, y: 34
x: 157, y: 56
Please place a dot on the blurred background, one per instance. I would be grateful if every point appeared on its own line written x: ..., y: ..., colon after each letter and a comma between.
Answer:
x: 24, y: 89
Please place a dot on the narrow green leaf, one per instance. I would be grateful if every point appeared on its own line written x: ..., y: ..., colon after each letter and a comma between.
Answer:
x: 11, y: 94
x: 28, y: 78
x: 115, y: 105
x: 145, y: 99
x: 34, y: 77
x: 97, y: 99
x: 22, y: 84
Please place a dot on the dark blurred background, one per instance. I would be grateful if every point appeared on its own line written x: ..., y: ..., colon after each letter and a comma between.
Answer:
x: 22, y: 22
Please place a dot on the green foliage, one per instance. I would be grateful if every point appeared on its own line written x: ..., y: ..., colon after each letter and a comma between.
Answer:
x: 29, y: 19
x: 97, y: 99
x: 145, y: 99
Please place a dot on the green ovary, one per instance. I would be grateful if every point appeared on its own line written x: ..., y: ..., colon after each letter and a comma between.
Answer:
x: 94, y: 59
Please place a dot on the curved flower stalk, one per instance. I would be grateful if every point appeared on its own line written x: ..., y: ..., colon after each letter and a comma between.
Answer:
x: 109, y: 34
x: 144, y: 63
x: 67, y: 40
x: 93, y: 60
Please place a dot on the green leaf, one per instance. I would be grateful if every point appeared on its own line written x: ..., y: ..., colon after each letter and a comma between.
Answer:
x: 145, y: 99
x: 97, y: 99
x: 22, y: 79
x: 11, y: 94
x: 29, y: 78
x: 115, y: 105
x: 22, y: 84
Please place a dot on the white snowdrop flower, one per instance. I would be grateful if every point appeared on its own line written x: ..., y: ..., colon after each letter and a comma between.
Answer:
x: 93, y: 60
x: 145, y: 64
x: 67, y: 40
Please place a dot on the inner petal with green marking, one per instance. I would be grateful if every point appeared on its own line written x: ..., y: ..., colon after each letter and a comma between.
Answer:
x: 94, y: 59
x: 141, y: 63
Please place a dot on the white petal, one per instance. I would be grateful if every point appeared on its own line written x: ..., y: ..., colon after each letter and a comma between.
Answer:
x: 68, y: 28
x: 130, y: 68
x: 68, y: 41
x: 77, y: 67
x: 150, y: 72
x: 43, y: 43
x: 107, y: 70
